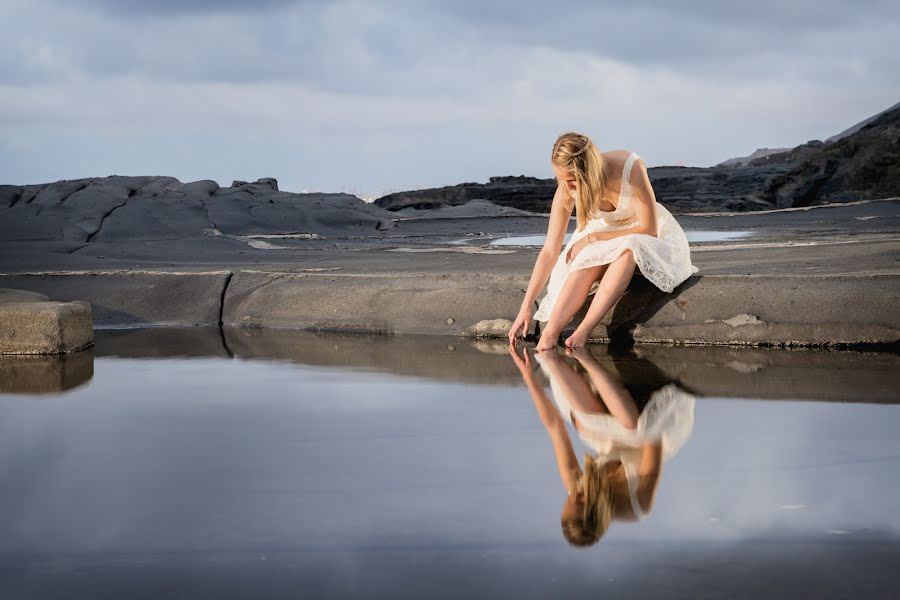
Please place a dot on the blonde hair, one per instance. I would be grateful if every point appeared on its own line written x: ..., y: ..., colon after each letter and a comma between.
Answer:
x: 590, y: 526
x: 577, y: 154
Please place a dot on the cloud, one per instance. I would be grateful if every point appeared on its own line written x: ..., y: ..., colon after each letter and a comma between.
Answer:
x: 167, y: 8
x: 473, y: 89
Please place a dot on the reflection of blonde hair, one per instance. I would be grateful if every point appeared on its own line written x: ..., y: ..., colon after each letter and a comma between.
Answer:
x: 577, y: 154
x: 593, y: 522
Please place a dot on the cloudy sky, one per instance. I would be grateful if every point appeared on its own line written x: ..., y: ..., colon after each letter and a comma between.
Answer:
x: 372, y: 96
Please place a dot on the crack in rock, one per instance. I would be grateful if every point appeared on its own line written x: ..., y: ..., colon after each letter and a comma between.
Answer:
x: 103, y: 218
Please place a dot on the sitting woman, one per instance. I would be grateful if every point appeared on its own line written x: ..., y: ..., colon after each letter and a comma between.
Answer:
x: 620, y: 228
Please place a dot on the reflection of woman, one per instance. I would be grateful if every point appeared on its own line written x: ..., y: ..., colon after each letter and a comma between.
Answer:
x: 630, y: 444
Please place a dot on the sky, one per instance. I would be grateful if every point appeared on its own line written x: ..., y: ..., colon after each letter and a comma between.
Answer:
x: 374, y: 96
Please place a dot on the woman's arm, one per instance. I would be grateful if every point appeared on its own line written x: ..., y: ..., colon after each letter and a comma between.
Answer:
x: 650, y: 471
x: 560, y: 213
x: 566, y: 461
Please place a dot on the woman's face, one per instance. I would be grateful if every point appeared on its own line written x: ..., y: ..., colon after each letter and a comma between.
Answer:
x: 564, y: 177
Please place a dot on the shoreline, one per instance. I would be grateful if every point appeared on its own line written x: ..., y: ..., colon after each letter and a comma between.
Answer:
x: 828, y: 277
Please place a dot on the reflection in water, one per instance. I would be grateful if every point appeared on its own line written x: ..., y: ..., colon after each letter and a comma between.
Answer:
x: 295, y: 464
x: 46, y: 374
x: 631, y: 429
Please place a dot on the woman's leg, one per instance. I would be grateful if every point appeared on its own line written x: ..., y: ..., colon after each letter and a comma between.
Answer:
x: 614, y: 283
x: 571, y: 298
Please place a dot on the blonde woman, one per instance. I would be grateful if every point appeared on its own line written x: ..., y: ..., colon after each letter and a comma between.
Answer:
x: 620, y: 227
x: 628, y: 443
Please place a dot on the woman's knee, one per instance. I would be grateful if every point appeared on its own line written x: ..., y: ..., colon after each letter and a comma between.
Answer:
x: 589, y: 273
x: 627, y: 254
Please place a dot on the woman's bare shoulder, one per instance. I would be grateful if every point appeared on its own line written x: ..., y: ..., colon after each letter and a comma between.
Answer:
x: 616, y: 157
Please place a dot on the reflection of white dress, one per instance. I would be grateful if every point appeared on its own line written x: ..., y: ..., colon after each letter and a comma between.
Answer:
x: 668, y: 418
x: 663, y: 259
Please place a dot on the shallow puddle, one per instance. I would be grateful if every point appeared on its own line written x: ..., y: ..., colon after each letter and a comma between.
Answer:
x: 692, y: 236
x: 224, y: 463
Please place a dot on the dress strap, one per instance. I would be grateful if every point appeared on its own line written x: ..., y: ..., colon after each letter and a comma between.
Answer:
x: 625, y: 187
x: 626, y: 176
x: 632, y: 477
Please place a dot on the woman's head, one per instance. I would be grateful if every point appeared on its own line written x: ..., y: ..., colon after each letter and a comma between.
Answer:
x: 588, y: 509
x: 578, y: 165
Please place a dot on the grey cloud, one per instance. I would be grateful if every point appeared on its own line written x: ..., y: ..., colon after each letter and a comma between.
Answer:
x: 379, y: 74
x: 176, y: 7
x: 448, y: 47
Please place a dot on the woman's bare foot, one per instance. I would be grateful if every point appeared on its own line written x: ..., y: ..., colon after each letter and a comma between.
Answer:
x: 581, y: 353
x: 577, y: 339
x: 549, y: 340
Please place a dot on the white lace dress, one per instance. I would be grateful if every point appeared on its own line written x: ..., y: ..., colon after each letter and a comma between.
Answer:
x: 663, y: 259
x: 668, y: 418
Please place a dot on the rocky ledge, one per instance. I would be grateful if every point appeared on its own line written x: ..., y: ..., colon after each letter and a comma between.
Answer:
x: 115, y: 208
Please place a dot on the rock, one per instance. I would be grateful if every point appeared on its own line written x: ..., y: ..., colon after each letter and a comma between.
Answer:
x: 490, y: 327
x: 112, y: 209
x: 204, y: 186
x: 30, y: 323
x: 9, y: 194
x: 859, y: 166
x: 524, y: 193
x: 268, y: 181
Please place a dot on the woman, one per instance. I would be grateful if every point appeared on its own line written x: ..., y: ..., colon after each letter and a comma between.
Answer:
x: 620, y: 227
x: 629, y: 442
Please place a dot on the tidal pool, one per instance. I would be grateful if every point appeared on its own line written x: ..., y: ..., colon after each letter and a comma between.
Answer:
x: 207, y: 463
x: 692, y: 236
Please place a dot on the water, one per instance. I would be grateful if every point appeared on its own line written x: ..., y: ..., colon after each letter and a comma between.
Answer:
x: 692, y: 236
x: 222, y: 464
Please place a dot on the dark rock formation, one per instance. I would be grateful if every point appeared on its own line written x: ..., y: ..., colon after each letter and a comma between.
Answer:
x: 118, y: 208
x: 861, y: 163
x: 859, y: 166
x: 860, y: 125
x: 525, y: 193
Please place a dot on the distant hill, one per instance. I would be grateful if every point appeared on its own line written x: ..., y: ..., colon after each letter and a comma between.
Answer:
x: 743, y: 160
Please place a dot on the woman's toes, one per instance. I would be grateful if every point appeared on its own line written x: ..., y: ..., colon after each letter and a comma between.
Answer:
x: 575, y: 340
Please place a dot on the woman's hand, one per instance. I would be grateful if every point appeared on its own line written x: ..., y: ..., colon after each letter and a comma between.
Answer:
x: 523, y: 320
x: 523, y: 363
x: 578, y: 247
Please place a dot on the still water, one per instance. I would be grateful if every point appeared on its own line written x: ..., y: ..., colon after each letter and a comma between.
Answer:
x: 695, y: 236
x: 200, y: 463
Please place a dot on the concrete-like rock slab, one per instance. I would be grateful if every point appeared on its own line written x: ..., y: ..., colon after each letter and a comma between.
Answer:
x: 135, y: 298
x: 399, y: 303
x: 44, y: 326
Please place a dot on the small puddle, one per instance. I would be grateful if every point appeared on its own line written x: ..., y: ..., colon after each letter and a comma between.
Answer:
x: 692, y: 236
